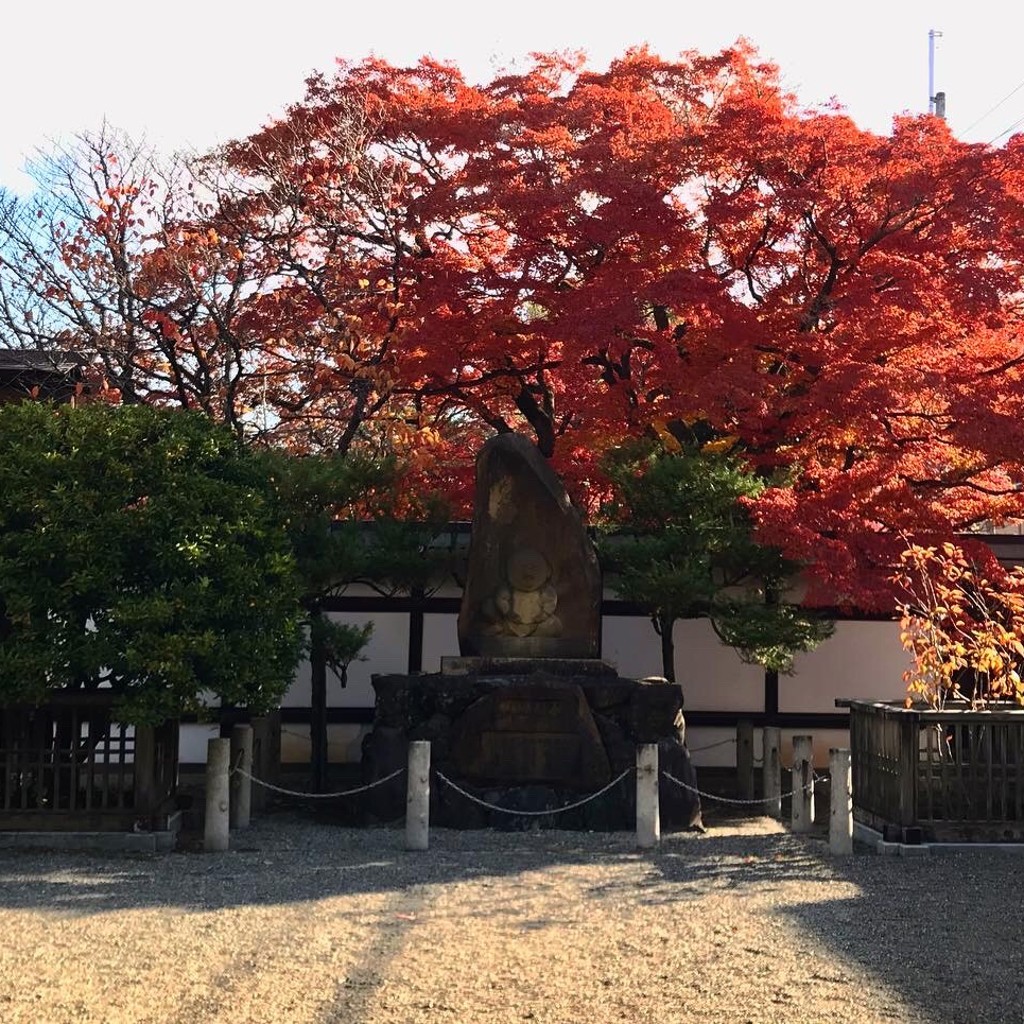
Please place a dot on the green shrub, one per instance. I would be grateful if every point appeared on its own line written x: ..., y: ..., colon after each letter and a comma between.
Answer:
x: 142, y: 549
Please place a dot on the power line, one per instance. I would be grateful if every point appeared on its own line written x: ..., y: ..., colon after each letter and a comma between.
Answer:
x: 1013, y: 92
x: 1006, y: 131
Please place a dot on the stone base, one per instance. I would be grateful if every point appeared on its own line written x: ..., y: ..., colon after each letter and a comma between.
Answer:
x: 502, y: 666
x: 529, y: 734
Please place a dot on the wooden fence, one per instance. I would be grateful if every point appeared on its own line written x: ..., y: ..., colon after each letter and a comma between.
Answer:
x: 68, y: 764
x: 949, y: 775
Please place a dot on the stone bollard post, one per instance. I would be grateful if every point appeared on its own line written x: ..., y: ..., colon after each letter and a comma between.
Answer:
x: 417, y: 803
x: 241, y: 785
x: 803, y: 784
x: 745, y: 759
x: 772, y: 771
x: 216, y: 833
x: 648, y: 813
x: 840, y: 822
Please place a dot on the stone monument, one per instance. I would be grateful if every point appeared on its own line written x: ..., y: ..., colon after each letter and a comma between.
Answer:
x: 533, y: 588
x: 528, y: 717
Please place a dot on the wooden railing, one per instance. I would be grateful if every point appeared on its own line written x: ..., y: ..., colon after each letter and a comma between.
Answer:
x: 68, y: 764
x: 950, y: 775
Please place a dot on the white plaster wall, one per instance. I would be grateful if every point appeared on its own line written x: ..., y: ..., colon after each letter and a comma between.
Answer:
x: 861, y: 659
x: 712, y: 675
x: 440, y: 640
x: 192, y: 740
x: 387, y: 651
x: 714, y: 747
x: 631, y: 645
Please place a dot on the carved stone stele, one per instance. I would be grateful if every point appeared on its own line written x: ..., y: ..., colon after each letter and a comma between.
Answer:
x: 533, y: 587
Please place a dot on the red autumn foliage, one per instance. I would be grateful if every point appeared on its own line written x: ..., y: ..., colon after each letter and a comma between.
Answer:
x: 408, y: 259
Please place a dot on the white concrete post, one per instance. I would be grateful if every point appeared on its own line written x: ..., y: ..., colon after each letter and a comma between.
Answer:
x: 417, y: 802
x: 840, y: 822
x: 803, y: 784
x: 772, y: 771
x: 216, y: 832
x: 241, y: 785
x: 648, y: 812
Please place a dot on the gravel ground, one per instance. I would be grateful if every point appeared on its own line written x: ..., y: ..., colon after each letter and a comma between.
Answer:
x: 305, y: 922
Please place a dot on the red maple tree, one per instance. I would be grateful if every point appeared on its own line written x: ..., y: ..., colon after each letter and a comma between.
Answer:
x: 584, y: 253
x: 409, y: 260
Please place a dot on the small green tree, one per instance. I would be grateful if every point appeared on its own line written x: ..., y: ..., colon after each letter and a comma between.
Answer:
x: 141, y: 549
x: 340, y: 514
x: 678, y: 542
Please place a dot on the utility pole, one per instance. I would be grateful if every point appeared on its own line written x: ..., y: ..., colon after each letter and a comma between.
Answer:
x: 936, y: 100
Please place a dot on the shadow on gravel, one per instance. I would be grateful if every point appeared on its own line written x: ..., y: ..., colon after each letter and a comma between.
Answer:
x: 285, y: 859
x: 942, y: 931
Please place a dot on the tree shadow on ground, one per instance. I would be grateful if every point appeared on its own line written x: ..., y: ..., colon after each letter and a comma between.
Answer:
x: 288, y: 858
x: 942, y: 930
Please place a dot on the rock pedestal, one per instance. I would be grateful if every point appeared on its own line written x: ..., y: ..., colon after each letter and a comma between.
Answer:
x: 530, y: 734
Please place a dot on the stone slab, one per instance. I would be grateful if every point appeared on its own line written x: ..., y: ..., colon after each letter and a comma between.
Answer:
x: 98, y: 842
x: 531, y: 734
x: 503, y: 666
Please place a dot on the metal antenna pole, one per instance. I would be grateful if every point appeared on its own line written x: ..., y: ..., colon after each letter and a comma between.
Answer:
x: 932, y: 35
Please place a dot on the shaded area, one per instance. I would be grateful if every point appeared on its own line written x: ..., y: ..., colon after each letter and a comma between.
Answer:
x: 939, y: 933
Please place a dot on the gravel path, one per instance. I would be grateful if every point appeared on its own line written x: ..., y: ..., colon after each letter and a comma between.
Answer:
x: 306, y: 922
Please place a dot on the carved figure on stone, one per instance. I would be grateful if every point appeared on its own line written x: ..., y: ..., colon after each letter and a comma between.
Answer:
x: 524, y: 605
x: 533, y: 585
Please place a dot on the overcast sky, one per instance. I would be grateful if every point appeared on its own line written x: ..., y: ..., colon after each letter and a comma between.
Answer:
x: 194, y: 72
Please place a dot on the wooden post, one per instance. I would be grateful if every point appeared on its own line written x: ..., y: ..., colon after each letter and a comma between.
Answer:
x: 216, y: 834
x: 143, y: 771
x: 803, y: 784
x: 840, y: 822
x: 772, y: 771
x: 648, y: 813
x: 241, y: 785
x: 909, y: 737
x: 745, y: 759
x: 417, y: 802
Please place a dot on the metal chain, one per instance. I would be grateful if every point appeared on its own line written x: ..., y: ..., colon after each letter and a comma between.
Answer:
x: 318, y: 796
x: 731, y: 800
x: 711, y: 746
x: 533, y: 814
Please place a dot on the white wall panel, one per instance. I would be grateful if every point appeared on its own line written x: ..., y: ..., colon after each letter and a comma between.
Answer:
x: 344, y: 743
x: 861, y: 659
x: 192, y: 740
x: 631, y: 645
x: 712, y: 675
x: 387, y: 651
x: 440, y: 640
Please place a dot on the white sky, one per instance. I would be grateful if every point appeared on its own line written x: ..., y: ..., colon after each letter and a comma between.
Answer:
x: 195, y: 72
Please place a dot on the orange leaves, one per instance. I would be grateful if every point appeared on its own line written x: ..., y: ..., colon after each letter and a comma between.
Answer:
x: 964, y: 626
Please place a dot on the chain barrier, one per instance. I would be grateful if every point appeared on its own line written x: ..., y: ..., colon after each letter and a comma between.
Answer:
x: 741, y: 802
x: 318, y: 796
x: 711, y: 746
x: 331, y: 744
x: 532, y: 814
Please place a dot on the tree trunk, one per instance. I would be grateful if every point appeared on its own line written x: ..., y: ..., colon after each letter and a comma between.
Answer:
x: 668, y: 651
x: 317, y: 710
